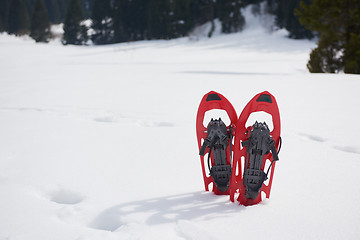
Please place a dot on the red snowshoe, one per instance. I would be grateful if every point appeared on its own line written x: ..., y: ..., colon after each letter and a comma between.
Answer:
x: 215, y: 141
x: 254, y: 147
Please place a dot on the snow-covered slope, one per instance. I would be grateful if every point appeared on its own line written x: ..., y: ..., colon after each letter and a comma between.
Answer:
x: 99, y: 142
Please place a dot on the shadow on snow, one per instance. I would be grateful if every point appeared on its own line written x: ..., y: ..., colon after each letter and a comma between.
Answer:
x: 170, y: 209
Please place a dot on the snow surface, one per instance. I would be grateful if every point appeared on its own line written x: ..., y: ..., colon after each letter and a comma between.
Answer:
x: 99, y: 142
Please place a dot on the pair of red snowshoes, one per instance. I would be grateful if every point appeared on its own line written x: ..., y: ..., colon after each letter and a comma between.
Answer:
x: 238, y: 167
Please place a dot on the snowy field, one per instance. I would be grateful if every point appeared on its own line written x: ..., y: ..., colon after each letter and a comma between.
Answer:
x: 99, y: 142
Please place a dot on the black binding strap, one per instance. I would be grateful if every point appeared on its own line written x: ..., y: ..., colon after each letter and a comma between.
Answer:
x: 277, y: 153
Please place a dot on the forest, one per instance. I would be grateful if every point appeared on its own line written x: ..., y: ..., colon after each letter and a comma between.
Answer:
x: 131, y: 20
x: 335, y: 23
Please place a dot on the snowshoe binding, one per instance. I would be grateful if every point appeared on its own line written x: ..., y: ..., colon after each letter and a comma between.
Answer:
x: 258, y: 144
x: 217, y: 140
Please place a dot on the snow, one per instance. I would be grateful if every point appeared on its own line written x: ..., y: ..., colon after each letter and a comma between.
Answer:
x: 99, y: 142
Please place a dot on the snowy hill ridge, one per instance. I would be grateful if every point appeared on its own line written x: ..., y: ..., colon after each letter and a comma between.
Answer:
x: 99, y: 142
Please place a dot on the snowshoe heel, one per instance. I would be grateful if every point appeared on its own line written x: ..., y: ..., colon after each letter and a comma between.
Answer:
x: 253, y: 181
x: 221, y: 175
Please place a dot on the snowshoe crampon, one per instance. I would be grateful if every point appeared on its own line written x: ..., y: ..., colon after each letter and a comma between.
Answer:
x: 215, y: 143
x: 254, y: 147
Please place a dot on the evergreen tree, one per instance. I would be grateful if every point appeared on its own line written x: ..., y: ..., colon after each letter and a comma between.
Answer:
x: 4, y: 13
x: 53, y: 11
x: 87, y: 7
x: 158, y: 19
x: 351, y: 57
x: 180, y: 18
x: 40, y: 25
x: 324, y: 58
x: 102, y: 22
x: 119, y: 8
x: 18, y: 20
x: 29, y: 6
x: 135, y: 19
x: 203, y: 11
x: 155, y: 19
x: 74, y: 32
x: 285, y: 17
x: 338, y: 25
x: 63, y: 5
x: 230, y: 15
x: 56, y: 10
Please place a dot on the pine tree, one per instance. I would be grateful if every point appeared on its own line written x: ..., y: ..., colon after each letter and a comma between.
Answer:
x: 87, y: 7
x: 4, y: 13
x: 2, y: 27
x: 285, y: 17
x: 130, y: 20
x: 119, y: 9
x: 202, y: 11
x: 102, y: 22
x: 63, y: 5
x: 74, y: 32
x: 352, y: 54
x: 18, y: 19
x: 40, y: 25
x: 230, y: 16
x: 29, y: 6
x: 338, y: 25
x: 136, y: 15
x: 158, y: 19
x: 325, y: 58
x: 53, y: 11
x: 180, y: 18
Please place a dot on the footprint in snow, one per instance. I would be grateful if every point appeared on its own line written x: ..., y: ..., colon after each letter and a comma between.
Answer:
x: 106, y: 119
x: 66, y: 197
x: 348, y: 149
x: 313, y: 137
x: 109, y: 220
